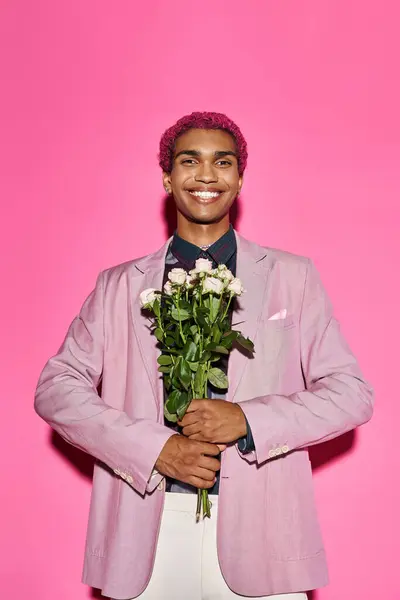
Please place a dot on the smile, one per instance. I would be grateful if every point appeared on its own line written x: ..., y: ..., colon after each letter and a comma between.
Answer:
x: 206, y: 195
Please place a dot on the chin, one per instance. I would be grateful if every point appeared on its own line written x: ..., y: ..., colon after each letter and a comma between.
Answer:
x: 206, y: 219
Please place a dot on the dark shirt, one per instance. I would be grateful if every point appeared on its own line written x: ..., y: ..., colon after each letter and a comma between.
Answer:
x: 183, y: 254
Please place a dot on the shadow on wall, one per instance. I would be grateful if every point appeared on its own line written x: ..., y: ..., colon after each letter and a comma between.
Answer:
x: 320, y: 455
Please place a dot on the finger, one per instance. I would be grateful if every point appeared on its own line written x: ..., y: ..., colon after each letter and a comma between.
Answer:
x: 191, y: 429
x: 222, y: 447
x: 194, y: 405
x: 188, y: 420
x: 206, y: 474
x: 198, y: 437
x: 212, y: 464
x: 201, y: 484
x: 209, y: 449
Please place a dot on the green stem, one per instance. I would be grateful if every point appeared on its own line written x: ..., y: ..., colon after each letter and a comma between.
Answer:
x: 227, y: 307
x: 180, y: 322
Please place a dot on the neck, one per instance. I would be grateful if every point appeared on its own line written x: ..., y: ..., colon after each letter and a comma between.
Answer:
x: 201, y: 234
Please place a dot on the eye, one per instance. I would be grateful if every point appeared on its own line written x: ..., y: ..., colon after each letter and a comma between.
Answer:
x: 224, y: 163
x: 190, y: 161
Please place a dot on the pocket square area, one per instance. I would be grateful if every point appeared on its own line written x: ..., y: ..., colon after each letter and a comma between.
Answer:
x: 282, y: 314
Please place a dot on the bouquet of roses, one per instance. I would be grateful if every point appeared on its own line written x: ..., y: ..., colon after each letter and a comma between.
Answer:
x: 190, y: 319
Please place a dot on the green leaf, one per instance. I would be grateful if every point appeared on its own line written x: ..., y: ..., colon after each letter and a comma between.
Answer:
x: 205, y: 357
x: 164, y: 359
x: 169, y: 340
x: 181, y: 315
x: 189, y: 350
x: 184, y: 373
x: 216, y: 334
x: 185, y: 305
x: 201, y: 317
x: 156, y: 307
x: 170, y: 416
x: 215, y: 307
x: 221, y: 350
x: 193, y: 366
x: 213, y: 347
x: 228, y: 338
x: 159, y: 334
x: 218, y: 378
x: 193, y: 329
x: 171, y: 406
x: 246, y: 343
x: 164, y: 369
x: 182, y: 405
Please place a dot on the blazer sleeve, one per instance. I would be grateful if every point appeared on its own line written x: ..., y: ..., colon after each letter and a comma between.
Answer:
x: 336, y: 397
x: 67, y: 399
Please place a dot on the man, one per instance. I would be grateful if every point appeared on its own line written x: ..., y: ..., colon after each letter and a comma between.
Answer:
x: 249, y: 448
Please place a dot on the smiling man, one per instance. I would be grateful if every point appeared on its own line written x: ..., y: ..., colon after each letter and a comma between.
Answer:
x: 247, y: 446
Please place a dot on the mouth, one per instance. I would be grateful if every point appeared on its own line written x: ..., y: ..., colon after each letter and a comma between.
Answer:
x: 205, y: 197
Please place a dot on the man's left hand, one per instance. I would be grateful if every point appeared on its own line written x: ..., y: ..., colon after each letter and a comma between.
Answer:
x: 212, y: 420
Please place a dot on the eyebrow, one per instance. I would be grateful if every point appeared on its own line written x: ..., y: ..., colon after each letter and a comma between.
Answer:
x: 197, y: 153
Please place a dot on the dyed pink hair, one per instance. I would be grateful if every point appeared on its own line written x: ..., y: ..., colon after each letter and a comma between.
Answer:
x: 200, y: 120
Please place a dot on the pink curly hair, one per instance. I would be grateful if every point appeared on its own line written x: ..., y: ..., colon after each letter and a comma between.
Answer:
x: 201, y: 120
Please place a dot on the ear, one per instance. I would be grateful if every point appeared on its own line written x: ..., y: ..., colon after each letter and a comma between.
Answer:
x: 240, y: 185
x: 167, y: 182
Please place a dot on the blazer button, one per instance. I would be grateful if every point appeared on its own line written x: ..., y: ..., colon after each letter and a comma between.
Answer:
x: 271, y: 453
x: 129, y: 479
x: 278, y: 451
x: 285, y: 448
x: 117, y: 471
x: 123, y: 475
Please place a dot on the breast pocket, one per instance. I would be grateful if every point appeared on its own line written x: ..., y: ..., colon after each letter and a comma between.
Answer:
x: 280, y: 324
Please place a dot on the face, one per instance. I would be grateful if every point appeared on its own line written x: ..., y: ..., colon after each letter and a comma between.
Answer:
x: 204, y: 179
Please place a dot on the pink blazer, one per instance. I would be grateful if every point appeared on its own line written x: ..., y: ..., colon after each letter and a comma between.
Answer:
x: 302, y: 387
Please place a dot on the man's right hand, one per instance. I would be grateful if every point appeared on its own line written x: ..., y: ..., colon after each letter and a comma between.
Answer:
x: 189, y: 461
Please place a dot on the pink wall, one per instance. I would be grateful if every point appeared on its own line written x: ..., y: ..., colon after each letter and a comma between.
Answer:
x: 87, y: 88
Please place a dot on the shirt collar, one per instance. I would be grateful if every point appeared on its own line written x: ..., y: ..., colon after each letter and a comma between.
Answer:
x: 220, y: 251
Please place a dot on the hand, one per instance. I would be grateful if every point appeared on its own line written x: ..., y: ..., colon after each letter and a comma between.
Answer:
x: 189, y: 461
x: 216, y: 421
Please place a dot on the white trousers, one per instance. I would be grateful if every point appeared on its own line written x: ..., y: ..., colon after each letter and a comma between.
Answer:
x: 186, y: 564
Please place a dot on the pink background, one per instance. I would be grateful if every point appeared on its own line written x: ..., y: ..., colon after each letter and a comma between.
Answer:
x: 87, y: 89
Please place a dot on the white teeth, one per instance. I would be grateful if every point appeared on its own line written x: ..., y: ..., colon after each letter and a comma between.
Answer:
x: 205, y: 195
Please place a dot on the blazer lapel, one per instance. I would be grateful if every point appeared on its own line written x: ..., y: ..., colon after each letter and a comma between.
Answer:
x: 151, y: 272
x: 253, y: 271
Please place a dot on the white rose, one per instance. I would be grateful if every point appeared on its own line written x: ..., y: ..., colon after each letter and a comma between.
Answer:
x: 148, y: 296
x: 168, y: 290
x: 212, y: 284
x: 236, y: 287
x: 177, y: 276
x: 203, y: 265
x: 190, y: 281
x: 225, y: 273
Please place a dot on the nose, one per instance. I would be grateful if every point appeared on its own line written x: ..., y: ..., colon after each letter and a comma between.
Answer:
x: 206, y: 173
